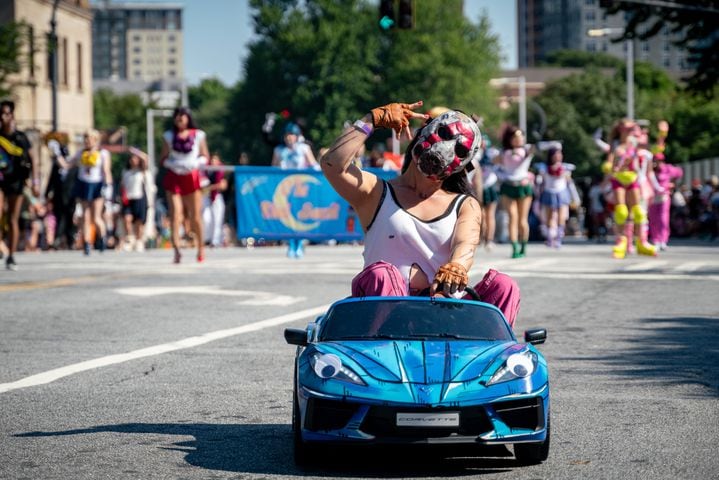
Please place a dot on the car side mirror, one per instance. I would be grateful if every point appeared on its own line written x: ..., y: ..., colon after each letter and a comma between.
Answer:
x: 535, y: 336
x: 296, y: 336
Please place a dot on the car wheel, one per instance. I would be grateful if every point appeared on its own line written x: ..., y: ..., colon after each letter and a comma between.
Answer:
x: 304, y: 454
x: 533, y: 453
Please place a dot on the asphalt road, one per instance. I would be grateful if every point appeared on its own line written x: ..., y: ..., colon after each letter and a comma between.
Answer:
x: 124, y: 366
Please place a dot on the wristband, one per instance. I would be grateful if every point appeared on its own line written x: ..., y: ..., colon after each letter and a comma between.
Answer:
x: 365, y: 127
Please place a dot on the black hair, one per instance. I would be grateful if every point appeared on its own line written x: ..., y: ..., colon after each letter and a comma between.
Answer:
x: 183, y: 111
x: 551, y: 152
x: 508, y: 135
x: 8, y: 103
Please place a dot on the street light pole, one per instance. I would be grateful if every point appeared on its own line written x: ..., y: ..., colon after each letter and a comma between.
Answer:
x: 522, y: 87
x: 523, y: 104
x: 53, y: 64
x: 630, y: 78
x: 629, y: 45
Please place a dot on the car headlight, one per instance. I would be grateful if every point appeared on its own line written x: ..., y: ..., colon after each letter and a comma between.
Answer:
x: 329, y: 365
x: 517, y: 365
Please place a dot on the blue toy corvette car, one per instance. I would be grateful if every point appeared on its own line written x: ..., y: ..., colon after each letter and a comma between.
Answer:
x: 408, y: 370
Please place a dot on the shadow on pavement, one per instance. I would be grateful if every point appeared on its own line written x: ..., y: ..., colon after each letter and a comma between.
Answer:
x: 674, y: 351
x: 267, y: 449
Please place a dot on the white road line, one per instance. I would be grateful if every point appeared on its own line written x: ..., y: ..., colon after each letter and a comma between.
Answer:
x: 255, y: 297
x: 55, y: 374
x: 615, y: 276
x: 645, y: 266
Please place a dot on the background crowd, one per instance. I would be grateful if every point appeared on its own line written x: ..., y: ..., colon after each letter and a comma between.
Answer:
x: 133, y: 212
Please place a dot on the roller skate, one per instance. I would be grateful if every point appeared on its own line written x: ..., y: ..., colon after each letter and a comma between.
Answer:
x: 646, y: 248
x: 619, y: 250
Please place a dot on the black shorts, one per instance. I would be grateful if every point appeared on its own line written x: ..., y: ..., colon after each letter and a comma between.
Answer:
x: 136, y: 208
x: 12, y: 185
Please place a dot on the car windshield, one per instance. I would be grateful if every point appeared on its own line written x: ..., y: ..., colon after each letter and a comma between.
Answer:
x: 413, y: 320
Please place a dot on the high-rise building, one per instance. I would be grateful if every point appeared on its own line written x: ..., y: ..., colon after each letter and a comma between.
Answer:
x: 545, y: 26
x: 139, y: 42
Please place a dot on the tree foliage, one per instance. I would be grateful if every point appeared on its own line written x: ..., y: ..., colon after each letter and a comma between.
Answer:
x: 327, y: 62
x: 210, y: 111
x: 12, y: 40
x: 113, y: 111
x: 695, y: 23
x: 577, y: 105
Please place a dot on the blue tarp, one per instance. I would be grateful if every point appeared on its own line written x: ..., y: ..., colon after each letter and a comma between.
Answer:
x: 280, y: 204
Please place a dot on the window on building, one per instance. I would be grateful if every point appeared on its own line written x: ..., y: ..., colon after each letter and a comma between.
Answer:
x: 172, y: 50
x: 137, y: 50
x: 646, y: 47
x: 667, y: 62
x: 63, y: 53
x: 138, y: 74
x: 170, y: 38
x: 591, y: 47
x: 590, y: 16
x: 31, y: 50
x: 79, y: 66
x: 590, y: 2
x: 136, y: 61
x: 171, y: 61
x: 172, y: 73
x: 136, y: 38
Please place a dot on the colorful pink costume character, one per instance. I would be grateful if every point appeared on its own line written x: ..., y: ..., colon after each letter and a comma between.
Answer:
x: 422, y: 227
x: 665, y: 175
x: 630, y: 163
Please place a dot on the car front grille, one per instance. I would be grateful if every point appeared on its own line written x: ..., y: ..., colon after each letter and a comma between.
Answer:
x: 525, y: 413
x: 328, y: 414
x: 382, y: 422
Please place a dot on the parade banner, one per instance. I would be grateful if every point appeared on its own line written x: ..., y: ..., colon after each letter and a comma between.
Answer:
x: 277, y: 204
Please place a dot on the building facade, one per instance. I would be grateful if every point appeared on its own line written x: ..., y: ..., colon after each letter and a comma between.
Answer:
x: 32, y: 87
x: 545, y: 26
x: 137, y: 42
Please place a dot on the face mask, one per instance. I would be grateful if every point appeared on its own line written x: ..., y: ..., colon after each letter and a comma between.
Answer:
x: 446, y: 145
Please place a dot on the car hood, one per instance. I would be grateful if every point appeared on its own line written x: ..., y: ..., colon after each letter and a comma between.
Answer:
x: 422, y: 362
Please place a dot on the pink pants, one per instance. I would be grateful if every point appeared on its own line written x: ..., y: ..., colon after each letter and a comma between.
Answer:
x: 383, y: 279
x: 659, y: 221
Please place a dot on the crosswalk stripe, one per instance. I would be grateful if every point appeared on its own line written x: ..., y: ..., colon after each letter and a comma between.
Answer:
x: 689, y: 266
x: 645, y: 265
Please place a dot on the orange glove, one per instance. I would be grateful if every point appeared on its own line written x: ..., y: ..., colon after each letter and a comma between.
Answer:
x: 393, y: 115
x: 450, y: 278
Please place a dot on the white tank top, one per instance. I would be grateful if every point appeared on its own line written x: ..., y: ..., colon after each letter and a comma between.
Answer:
x: 401, y: 239
x: 90, y: 165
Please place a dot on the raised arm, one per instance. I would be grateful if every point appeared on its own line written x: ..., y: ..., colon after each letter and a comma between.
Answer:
x: 352, y: 183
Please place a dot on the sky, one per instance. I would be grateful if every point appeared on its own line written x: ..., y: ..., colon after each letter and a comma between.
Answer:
x: 216, y: 33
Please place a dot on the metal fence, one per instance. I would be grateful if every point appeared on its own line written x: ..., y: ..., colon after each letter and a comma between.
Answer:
x: 700, y: 169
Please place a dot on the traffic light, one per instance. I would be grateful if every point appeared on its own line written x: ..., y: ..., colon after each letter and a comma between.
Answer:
x: 406, y: 14
x: 386, y: 14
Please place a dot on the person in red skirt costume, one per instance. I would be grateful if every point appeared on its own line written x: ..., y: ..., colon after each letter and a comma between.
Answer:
x: 184, y: 151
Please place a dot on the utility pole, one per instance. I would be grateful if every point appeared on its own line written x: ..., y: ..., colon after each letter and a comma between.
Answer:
x: 53, y: 63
